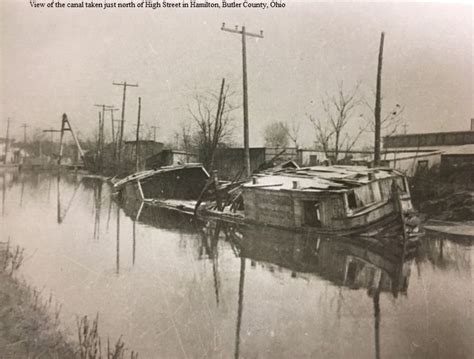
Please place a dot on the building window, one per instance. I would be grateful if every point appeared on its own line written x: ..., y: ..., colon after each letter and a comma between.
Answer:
x: 313, y: 160
x: 422, y: 165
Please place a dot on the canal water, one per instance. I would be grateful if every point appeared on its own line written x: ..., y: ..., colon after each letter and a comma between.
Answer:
x: 173, y: 288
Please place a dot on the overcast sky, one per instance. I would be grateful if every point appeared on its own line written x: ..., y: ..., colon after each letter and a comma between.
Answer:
x: 65, y: 60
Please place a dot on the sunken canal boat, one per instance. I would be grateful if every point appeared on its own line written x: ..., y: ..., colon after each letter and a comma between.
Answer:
x: 181, y: 182
x: 341, y: 200
x: 333, y: 200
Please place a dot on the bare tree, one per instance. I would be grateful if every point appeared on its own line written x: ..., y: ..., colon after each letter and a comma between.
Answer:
x: 183, y: 137
x: 293, y: 131
x: 390, y: 121
x: 276, y: 134
x: 338, y: 110
x: 211, y: 115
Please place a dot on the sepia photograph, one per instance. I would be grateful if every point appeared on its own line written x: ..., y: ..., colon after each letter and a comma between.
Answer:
x: 236, y: 179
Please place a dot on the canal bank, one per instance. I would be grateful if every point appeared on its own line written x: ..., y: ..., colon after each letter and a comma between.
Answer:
x: 28, y: 328
x: 30, y: 324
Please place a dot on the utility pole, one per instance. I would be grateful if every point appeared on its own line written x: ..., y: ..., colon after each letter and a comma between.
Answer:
x: 244, y: 79
x: 101, y: 133
x: 99, y: 141
x: 378, y: 104
x: 154, y: 132
x: 25, y: 126
x: 116, y: 138
x: 112, y: 121
x: 405, y: 126
x: 137, y: 145
x: 7, y: 140
x: 120, y: 142
x: 104, y: 108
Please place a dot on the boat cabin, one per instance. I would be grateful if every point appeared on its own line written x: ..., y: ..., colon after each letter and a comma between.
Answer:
x: 332, y: 199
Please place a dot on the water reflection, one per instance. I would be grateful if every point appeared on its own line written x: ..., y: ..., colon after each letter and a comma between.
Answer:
x: 353, y: 263
x: 117, y: 258
x: 350, y: 262
x: 234, y: 280
x: 4, y: 192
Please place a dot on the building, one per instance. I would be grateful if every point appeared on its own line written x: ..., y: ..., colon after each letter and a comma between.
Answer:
x: 14, y: 154
x: 229, y: 162
x: 435, y: 140
x: 169, y: 158
x: 146, y: 149
x: 410, y: 153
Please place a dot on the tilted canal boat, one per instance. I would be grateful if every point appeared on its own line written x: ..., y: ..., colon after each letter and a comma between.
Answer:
x: 332, y: 200
x: 323, y: 199
x: 181, y: 182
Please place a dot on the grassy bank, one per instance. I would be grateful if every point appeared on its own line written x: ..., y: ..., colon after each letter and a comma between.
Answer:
x: 30, y: 325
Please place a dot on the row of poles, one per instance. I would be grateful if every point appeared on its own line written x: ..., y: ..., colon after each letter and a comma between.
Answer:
x: 119, y: 142
x: 117, y: 139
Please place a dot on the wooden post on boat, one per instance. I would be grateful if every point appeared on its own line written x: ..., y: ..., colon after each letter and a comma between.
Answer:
x: 212, y: 181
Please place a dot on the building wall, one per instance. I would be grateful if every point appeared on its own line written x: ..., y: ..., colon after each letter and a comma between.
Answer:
x: 430, y: 139
x: 282, y: 154
x: 410, y: 164
x: 169, y: 158
x: 229, y: 162
x: 311, y: 158
x: 147, y: 149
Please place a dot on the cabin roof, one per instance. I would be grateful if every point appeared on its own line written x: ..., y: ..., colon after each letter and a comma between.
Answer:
x: 320, y: 178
